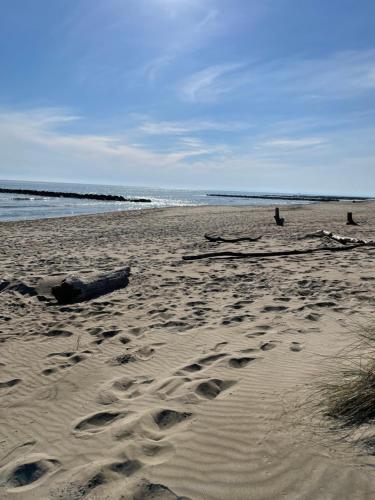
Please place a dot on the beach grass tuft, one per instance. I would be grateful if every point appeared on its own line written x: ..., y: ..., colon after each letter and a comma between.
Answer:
x: 349, y: 393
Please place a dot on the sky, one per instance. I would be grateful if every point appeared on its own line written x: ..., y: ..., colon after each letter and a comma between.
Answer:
x: 250, y: 95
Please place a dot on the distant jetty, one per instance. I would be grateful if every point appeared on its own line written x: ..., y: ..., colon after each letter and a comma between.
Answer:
x: 84, y: 196
x: 291, y: 197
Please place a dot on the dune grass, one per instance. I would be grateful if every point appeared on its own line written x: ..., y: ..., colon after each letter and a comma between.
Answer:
x: 349, y: 393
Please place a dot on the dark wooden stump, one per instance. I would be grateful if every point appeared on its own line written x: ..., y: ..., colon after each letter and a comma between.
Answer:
x: 350, y: 221
x: 279, y: 220
x: 74, y: 289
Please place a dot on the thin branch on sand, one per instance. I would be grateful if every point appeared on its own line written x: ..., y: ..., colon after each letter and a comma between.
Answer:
x: 220, y: 239
x: 261, y: 255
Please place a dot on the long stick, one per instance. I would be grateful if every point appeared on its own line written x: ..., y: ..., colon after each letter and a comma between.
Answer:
x: 261, y: 255
x: 220, y: 239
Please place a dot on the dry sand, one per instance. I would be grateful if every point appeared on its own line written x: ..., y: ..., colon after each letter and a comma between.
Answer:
x: 194, y: 382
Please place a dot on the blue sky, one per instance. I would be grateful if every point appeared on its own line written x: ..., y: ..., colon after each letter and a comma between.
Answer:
x: 270, y: 95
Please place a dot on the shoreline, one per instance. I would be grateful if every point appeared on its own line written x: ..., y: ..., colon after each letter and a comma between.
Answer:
x: 180, y: 207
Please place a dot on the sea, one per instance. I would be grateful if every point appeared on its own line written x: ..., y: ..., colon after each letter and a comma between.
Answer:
x: 20, y: 207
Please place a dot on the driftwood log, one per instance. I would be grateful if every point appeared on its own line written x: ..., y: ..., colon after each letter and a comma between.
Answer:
x: 279, y: 220
x: 341, y: 239
x: 220, y: 239
x: 262, y: 255
x: 73, y: 289
x: 349, y: 220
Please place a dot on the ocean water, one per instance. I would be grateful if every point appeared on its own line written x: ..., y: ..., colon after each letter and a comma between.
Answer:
x: 20, y: 207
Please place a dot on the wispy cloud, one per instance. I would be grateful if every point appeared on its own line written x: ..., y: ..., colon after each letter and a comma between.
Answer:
x: 209, y: 83
x: 294, y: 143
x: 190, y: 126
x: 153, y: 68
x: 341, y: 75
x: 45, y: 128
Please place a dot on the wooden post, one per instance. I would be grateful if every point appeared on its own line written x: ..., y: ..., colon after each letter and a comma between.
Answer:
x: 279, y: 220
x: 350, y: 221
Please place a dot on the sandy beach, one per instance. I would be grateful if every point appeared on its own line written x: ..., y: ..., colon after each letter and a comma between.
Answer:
x: 197, y: 380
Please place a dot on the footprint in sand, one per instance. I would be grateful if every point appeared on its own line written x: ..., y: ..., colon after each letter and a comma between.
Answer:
x: 9, y: 383
x: 166, y: 419
x: 267, y: 346
x: 71, y: 359
x: 85, y: 479
x: 174, y: 325
x: 137, y: 331
x: 295, y: 347
x: 235, y: 319
x: 124, y: 384
x: 48, y: 371
x: 240, y: 362
x: 26, y: 471
x: 201, y: 363
x: 255, y: 334
x: 146, y: 433
x: 57, y: 333
x: 169, y: 386
x: 124, y: 340
x: 274, y: 309
x: 211, y: 388
x: 154, y: 491
x: 97, y: 422
x: 126, y: 468
x: 102, y: 335
x: 313, y: 317
x: 123, y: 388
x: 144, y: 353
x: 219, y: 346
x: 64, y: 354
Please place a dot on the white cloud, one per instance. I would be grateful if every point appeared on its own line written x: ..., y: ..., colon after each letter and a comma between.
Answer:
x: 209, y: 83
x: 42, y: 133
x: 153, y: 68
x: 340, y: 75
x: 297, y: 143
x: 178, y: 128
x: 41, y: 145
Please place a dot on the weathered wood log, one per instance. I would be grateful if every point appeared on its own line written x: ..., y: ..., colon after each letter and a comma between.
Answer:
x: 73, y: 289
x: 341, y: 239
x: 350, y: 221
x: 261, y: 255
x: 220, y: 239
x: 279, y: 220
